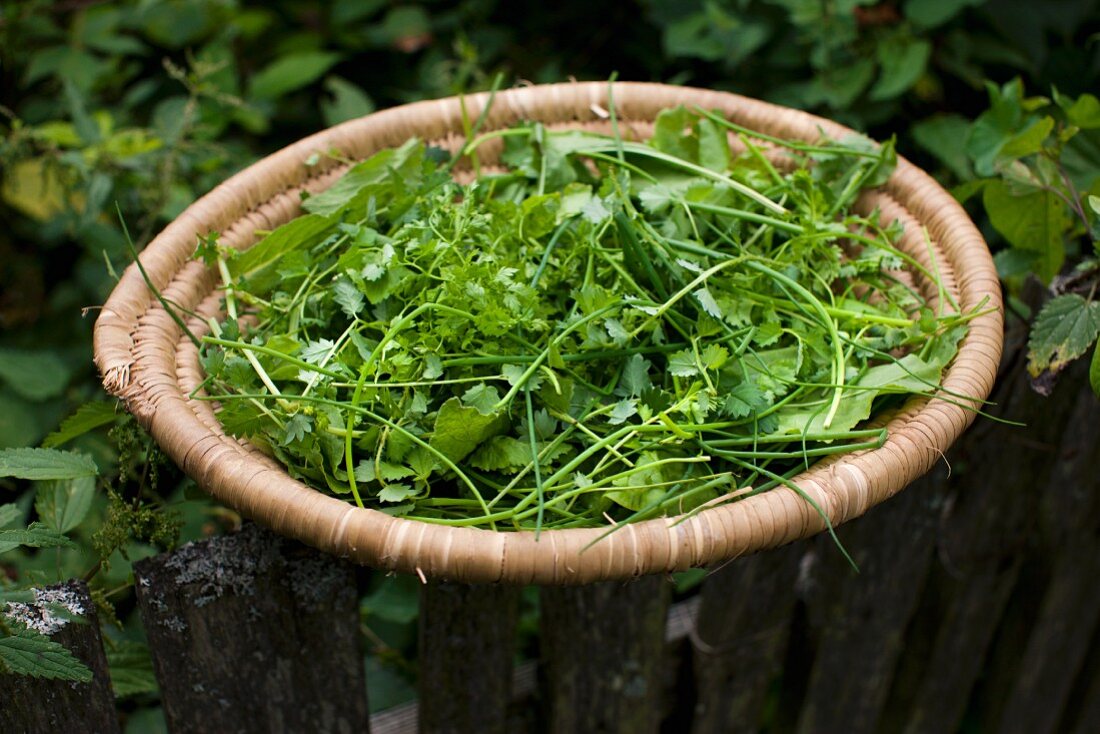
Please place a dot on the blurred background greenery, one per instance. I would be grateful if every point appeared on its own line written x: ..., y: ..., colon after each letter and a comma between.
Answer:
x: 147, y: 104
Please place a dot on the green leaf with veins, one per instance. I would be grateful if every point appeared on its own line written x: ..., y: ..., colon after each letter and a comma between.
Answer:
x: 1064, y: 330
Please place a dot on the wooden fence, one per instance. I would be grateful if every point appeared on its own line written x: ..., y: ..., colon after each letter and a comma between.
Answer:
x: 975, y: 609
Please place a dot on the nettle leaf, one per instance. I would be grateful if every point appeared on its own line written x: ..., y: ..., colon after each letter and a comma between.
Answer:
x: 26, y: 652
x: 131, y: 669
x: 682, y: 364
x: 37, y: 535
x: 635, y: 379
x: 27, y: 463
x: 87, y: 418
x: 62, y: 504
x: 459, y: 429
x: 1064, y: 330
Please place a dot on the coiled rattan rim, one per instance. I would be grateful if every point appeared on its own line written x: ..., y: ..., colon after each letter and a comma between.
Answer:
x: 147, y: 361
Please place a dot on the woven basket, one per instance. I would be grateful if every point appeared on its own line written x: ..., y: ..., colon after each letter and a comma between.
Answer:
x: 146, y: 360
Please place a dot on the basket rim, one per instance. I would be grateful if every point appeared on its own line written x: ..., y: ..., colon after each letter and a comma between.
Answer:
x: 138, y: 352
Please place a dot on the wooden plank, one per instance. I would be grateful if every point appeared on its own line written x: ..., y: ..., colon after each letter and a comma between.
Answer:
x: 984, y: 537
x: 252, y: 632
x: 741, y: 637
x: 404, y: 719
x: 467, y: 648
x: 861, y: 619
x: 602, y: 648
x: 1070, y: 610
x: 35, y: 705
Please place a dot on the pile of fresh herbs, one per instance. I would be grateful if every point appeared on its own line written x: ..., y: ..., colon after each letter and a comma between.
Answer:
x: 597, y: 331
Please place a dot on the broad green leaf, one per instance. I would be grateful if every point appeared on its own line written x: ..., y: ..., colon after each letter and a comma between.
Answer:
x: 902, y: 62
x: 996, y: 126
x: 933, y: 13
x: 1094, y: 370
x: 944, y: 136
x: 26, y: 463
x: 396, y: 492
x: 36, y: 375
x: 291, y: 72
x: 1064, y: 330
x: 37, y: 535
x: 9, y: 513
x: 1084, y: 112
x: 26, y: 652
x: 87, y: 417
x: 910, y: 374
x: 296, y: 234
x: 131, y: 669
x: 501, y: 453
x: 1037, y: 222
x: 714, y: 149
x: 404, y: 162
x: 459, y: 429
x: 62, y: 504
x: 1029, y: 140
x: 348, y: 102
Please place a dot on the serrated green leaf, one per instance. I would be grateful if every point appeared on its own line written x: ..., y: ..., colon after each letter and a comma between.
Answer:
x: 682, y: 364
x: 62, y: 504
x: 87, y: 417
x: 1064, y: 330
x: 623, y: 411
x: 26, y: 652
x: 635, y: 379
x: 131, y: 668
x: 482, y: 397
x: 501, y: 453
x: 37, y: 535
x: 298, y: 233
x: 349, y: 298
x: 28, y: 463
x: 396, y: 492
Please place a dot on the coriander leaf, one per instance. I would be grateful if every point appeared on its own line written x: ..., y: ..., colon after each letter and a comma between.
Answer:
x: 1064, y: 330
x: 396, y: 493
x: 622, y: 412
x: 348, y: 297
x: 635, y: 378
x: 483, y: 397
x: 743, y: 401
x: 315, y: 352
x: 460, y: 429
x: 433, y: 367
x: 296, y: 428
x: 714, y: 356
x: 682, y: 364
x: 706, y: 300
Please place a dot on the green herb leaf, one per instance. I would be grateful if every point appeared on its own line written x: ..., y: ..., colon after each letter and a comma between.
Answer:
x: 460, y: 429
x: 87, y: 417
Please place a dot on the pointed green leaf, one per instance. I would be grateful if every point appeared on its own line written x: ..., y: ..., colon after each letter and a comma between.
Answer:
x: 27, y: 463
x: 62, y: 504
x: 87, y: 418
x: 27, y: 652
x: 1064, y: 330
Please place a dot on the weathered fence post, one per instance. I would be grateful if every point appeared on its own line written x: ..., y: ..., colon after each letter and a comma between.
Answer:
x: 251, y: 632
x: 861, y: 618
x: 741, y: 637
x: 602, y: 650
x: 467, y: 649
x: 35, y: 705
